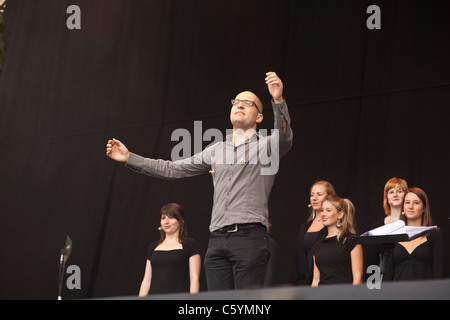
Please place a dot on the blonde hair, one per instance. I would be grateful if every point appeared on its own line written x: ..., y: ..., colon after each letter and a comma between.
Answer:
x: 328, y: 186
x: 348, y: 220
x: 402, y: 184
x: 329, y: 189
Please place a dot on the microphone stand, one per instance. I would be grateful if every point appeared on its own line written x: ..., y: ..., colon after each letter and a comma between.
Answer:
x: 65, y: 253
x: 62, y: 265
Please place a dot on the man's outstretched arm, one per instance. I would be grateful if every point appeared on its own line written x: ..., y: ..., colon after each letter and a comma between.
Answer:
x: 164, y: 169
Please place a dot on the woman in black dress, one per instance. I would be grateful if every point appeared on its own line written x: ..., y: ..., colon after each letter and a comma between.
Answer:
x: 393, y: 195
x: 423, y: 257
x: 336, y: 258
x: 311, y: 230
x: 173, y: 263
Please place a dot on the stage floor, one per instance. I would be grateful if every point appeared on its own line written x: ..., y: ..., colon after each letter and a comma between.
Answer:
x: 411, y: 290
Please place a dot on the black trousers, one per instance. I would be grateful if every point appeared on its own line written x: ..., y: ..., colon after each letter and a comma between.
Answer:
x: 237, y: 260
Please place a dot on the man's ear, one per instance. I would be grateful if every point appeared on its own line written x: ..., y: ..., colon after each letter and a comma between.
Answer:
x: 259, y: 118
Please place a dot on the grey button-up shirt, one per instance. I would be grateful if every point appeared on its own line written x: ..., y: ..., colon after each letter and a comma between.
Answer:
x: 242, y: 175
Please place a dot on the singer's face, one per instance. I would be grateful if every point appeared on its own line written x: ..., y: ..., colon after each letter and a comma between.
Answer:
x: 330, y: 215
x: 413, y: 206
x: 169, y: 225
x: 395, y: 196
x: 318, y: 193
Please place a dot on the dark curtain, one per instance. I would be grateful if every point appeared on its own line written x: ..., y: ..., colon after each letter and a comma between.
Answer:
x: 366, y: 105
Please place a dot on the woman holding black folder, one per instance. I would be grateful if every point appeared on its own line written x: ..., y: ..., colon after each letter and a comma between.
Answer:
x: 393, y: 195
x: 423, y: 257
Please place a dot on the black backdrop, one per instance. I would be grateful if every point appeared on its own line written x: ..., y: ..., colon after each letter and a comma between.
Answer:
x: 366, y: 105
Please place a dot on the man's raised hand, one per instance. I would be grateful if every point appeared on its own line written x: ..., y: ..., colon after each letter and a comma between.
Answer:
x: 116, y: 150
x: 275, y: 86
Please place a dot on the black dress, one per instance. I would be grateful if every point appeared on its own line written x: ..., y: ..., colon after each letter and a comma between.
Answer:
x: 303, y: 265
x: 333, y: 259
x: 425, y: 262
x: 170, y: 269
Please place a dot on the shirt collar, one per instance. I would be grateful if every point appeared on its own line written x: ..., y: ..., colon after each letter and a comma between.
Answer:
x: 255, y: 136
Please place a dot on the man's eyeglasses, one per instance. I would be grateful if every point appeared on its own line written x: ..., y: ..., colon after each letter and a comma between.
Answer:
x: 248, y: 103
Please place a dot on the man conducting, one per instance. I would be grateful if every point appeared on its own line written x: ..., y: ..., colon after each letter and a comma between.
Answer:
x: 243, y: 169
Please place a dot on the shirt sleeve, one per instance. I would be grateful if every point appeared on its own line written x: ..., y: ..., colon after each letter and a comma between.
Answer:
x: 191, y: 248
x: 165, y: 169
x: 280, y: 112
x: 152, y: 246
x: 346, y: 241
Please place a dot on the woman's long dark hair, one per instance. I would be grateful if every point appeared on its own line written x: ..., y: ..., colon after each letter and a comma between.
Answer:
x: 426, y: 216
x: 174, y: 210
